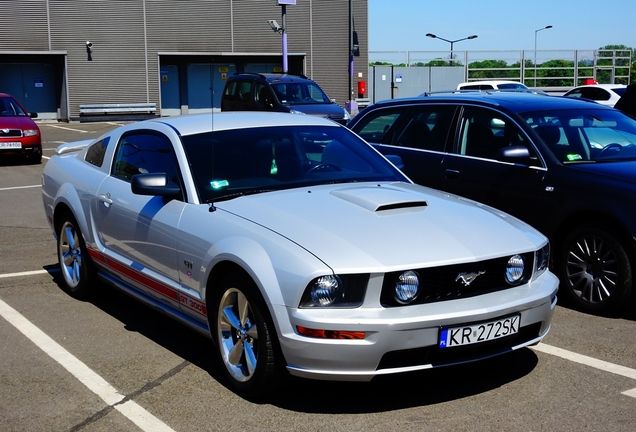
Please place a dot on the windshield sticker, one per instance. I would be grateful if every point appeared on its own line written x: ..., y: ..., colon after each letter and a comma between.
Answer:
x: 218, y: 184
x: 574, y: 157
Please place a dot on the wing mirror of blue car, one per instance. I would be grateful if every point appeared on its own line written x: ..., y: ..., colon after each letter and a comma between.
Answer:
x: 154, y: 185
x: 515, y: 154
x: 396, y: 160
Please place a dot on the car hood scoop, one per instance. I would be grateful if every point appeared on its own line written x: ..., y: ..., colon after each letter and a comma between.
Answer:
x: 379, y: 199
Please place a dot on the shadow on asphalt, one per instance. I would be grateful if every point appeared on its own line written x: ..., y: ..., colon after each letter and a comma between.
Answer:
x: 384, y: 393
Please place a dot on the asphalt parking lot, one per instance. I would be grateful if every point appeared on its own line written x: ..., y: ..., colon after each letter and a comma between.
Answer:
x: 111, y: 364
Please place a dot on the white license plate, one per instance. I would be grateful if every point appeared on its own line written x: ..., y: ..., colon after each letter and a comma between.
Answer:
x: 472, y: 334
x: 10, y: 145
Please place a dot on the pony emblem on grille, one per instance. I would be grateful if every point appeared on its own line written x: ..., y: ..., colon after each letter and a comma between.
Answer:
x: 468, y: 278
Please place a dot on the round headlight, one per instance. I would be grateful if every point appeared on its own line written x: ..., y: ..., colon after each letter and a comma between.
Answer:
x: 514, y: 269
x: 325, y: 290
x: 407, y: 287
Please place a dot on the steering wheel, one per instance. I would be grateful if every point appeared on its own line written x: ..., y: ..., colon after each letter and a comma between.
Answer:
x: 324, y: 166
x: 613, y: 146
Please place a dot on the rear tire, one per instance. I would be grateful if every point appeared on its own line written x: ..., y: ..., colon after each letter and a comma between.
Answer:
x: 595, y: 269
x: 77, y: 270
x: 243, y: 332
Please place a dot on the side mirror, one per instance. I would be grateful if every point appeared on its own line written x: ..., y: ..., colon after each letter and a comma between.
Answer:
x: 515, y: 154
x: 396, y: 160
x: 33, y: 115
x: 154, y: 185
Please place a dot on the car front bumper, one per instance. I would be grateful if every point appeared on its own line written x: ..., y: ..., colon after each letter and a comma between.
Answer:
x: 406, y: 338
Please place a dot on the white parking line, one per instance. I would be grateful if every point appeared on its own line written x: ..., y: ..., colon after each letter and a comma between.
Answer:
x: 130, y: 409
x: 590, y: 361
x: 69, y: 129
x: 28, y: 273
x: 20, y: 187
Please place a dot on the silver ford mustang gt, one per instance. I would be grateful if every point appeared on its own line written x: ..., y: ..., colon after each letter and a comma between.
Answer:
x: 295, y: 247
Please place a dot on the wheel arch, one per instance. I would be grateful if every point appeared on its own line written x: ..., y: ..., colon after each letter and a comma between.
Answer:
x: 67, y: 199
x: 584, y: 217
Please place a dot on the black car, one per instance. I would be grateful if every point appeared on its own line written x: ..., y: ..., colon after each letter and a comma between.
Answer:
x: 565, y: 166
x: 281, y: 93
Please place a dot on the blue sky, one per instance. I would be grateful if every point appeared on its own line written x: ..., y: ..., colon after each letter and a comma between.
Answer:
x: 397, y: 25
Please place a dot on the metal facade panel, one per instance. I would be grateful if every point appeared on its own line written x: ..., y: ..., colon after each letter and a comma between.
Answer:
x: 23, y: 25
x: 331, y: 46
x: 117, y: 72
x: 128, y: 35
x: 189, y: 26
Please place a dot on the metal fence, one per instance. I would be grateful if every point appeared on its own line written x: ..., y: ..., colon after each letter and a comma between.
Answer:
x: 409, y: 73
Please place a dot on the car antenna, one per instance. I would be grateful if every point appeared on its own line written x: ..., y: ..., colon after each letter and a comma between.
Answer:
x: 211, y: 206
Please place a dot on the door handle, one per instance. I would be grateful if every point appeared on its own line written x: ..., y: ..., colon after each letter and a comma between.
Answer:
x: 452, y: 174
x: 105, y: 198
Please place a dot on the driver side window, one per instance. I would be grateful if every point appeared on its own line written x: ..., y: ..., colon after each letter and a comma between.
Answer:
x: 143, y: 153
x: 484, y: 133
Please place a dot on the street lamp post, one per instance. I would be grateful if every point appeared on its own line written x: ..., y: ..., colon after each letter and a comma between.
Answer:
x: 452, y: 42
x: 535, y: 51
x: 282, y: 29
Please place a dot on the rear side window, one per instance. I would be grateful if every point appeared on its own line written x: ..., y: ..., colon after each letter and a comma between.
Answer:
x: 95, y: 153
x: 238, y: 90
x: 426, y: 128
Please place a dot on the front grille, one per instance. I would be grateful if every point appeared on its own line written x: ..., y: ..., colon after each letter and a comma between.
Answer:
x: 10, y: 133
x: 441, y: 283
x: 442, y: 357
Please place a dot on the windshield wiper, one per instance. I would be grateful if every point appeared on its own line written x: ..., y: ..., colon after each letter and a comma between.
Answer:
x: 237, y: 194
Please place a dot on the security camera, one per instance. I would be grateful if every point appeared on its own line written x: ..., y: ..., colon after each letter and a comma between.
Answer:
x: 89, y: 50
x: 274, y: 25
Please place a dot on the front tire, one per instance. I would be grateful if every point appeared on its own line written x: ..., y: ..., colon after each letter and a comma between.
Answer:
x: 77, y: 271
x: 243, y: 335
x: 595, y: 269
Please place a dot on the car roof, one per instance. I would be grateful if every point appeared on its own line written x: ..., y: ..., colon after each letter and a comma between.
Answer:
x: 606, y: 86
x: 273, y: 77
x: 218, y: 121
x: 511, y: 100
x: 494, y: 82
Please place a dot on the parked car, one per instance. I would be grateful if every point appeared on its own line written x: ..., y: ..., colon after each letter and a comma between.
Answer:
x: 281, y: 93
x: 19, y: 135
x: 292, y: 243
x: 565, y: 166
x: 605, y: 94
x: 491, y: 85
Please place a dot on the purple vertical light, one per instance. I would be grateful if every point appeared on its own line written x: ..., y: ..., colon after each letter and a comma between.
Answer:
x: 285, y: 70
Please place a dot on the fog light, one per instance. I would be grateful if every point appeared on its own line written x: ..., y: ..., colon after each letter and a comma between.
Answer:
x: 407, y: 287
x: 515, y: 269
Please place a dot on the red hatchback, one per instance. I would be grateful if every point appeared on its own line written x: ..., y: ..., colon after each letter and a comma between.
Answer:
x: 19, y: 135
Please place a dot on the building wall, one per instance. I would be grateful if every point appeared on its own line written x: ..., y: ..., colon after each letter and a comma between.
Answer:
x: 129, y: 36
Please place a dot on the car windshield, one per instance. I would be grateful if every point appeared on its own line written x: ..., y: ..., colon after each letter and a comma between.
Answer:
x: 506, y: 86
x: 294, y: 93
x: 231, y: 163
x: 9, y: 108
x: 575, y: 136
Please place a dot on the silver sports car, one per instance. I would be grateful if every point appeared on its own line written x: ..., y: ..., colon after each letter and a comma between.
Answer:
x: 294, y: 246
